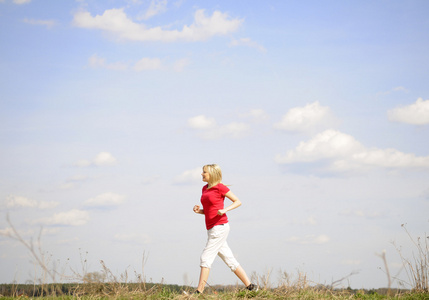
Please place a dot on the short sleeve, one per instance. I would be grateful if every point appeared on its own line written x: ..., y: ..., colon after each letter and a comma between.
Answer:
x: 223, y: 189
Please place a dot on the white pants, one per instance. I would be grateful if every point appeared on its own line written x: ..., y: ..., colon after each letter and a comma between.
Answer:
x: 217, y: 245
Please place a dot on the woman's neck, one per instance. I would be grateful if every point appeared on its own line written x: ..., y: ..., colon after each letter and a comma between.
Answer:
x: 210, y: 185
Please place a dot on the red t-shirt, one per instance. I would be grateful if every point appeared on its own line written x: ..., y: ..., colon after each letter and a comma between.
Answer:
x: 212, y: 200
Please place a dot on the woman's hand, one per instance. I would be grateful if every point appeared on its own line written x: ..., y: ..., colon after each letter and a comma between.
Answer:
x: 221, y: 212
x: 197, y: 209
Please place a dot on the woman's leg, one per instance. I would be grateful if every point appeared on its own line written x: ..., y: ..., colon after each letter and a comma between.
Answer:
x: 204, y: 275
x: 242, y: 275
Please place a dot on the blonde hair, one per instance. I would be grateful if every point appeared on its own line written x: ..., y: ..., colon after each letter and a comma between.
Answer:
x: 215, y: 174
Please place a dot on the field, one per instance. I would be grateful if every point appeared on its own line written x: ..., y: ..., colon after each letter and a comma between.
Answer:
x: 160, y: 291
x: 106, y: 285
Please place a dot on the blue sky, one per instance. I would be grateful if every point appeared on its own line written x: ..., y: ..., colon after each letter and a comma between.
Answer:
x: 317, y: 112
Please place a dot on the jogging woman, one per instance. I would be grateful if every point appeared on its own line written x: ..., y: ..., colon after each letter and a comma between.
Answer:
x: 212, y: 199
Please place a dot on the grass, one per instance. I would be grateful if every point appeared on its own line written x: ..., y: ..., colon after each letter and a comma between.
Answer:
x: 158, y: 291
x: 106, y: 285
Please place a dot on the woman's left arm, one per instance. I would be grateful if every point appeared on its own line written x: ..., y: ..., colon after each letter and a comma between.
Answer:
x: 235, y: 203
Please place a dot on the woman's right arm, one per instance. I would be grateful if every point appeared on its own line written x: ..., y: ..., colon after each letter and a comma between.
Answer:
x: 198, y: 210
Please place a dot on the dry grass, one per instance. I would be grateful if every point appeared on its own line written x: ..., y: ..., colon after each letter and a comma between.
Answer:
x: 106, y: 285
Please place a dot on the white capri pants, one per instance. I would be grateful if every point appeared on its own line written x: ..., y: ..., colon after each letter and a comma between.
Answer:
x: 217, y: 245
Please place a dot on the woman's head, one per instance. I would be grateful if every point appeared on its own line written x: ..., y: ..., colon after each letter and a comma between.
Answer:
x: 212, y: 174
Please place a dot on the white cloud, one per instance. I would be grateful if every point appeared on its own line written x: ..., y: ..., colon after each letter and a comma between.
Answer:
x: 257, y: 115
x: 189, y: 176
x: 416, y: 113
x: 156, y: 7
x: 342, y: 152
x: 211, y: 130
x: 13, y: 201
x: 202, y: 122
x: 47, y: 23
x: 117, y: 23
x: 19, y: 201
x: 106, y: 199
x: 19, y: 2
x: 100, y: 160
x: 394, y: 90
x: 98, y: 62
x: 247, y: 42
x: 147, y: 63
x: 328, y: 144
x: 73, y: 217
x: 7, y: 232
x: 104, y: 159
x: 310, y: 239
x: 73, y: 181
x: 311, y: 116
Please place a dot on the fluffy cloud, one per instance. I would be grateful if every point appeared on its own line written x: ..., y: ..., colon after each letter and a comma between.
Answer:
x: 13, y: 201
x: 416, y: 113
x: 102, y: 159
x: 209, y: 128
x: 106, y: 199
x: 189, y: 176
x: 73, y: 217
x: 342, y: 152
x: 118, y: 24
x: 306, y: 118
x: 328, y: 144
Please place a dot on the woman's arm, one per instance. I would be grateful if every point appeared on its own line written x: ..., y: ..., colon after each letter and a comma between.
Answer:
x: 235, y: 203
x: 198, y: 210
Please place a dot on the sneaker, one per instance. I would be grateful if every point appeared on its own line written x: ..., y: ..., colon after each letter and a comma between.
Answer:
x: 252, y: 287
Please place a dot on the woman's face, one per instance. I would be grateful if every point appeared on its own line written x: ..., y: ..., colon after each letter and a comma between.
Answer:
x: 205, y: 174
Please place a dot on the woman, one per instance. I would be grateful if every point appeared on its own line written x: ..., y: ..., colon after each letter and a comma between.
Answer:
x: 212, y: 199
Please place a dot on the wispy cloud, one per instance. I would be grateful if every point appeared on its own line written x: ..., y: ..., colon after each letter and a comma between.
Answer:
x: 416, y: 113
x: 20, y: 2
x: 116, y: 23
x: 209, y: 128
x: 96, y: 61
x: 189, y: 176
x: 156, y: 7
x: 247, y: 42
x: 14, y: 201
x: 74, y: 217
x: 102, y: 159
x: 144, y: 64
x: 147, y: 63
x: 105, y: 200
x: 47, y: 23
